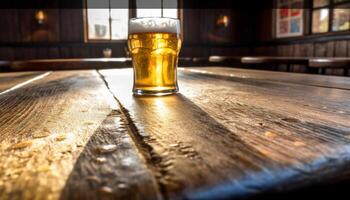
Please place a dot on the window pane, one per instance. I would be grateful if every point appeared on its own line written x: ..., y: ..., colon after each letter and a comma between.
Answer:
x: 148, y: 12
x: 170, y: 8
x: 170, y: 12
x: 98, y: 19
x: 320, y: 20
x: 341, y: 19
x: 98, y: 23
x: 148, y: 8
x: 320, y: 3
x: 120, y: 20
x: 152, y: 8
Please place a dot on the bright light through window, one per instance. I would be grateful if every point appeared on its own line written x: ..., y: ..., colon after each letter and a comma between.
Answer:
x: 152, y: 8
x: 107, y: 24
x: 108, y: 19
x: 119, y: 23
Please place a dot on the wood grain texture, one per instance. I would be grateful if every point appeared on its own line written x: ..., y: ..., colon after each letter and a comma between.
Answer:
x: 280, y: 77
x: 275, y: 60
x: 225, y: 137
x: 69, y: 64
x: 52, y: 137
x: 9, y: 80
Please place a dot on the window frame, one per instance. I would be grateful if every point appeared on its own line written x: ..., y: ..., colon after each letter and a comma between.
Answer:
x: 132, y: 13
x: 308, y: 20
x: 330, y: 7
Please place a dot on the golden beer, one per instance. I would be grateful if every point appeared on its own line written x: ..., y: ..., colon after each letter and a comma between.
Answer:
x: 154, y: 56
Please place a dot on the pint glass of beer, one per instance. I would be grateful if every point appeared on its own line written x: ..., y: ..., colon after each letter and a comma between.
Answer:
x: 154, y: 44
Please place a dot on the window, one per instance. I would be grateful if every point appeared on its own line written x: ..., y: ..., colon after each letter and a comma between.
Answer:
x: 108, y: 19
x: 167, y: 8
x: 289, y: 18
x: 330, y: 15
x: 320, y: 19
x: 341, y: 19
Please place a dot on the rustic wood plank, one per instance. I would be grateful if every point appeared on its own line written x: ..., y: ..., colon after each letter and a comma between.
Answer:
x: 341, y: 48
x: 281, y: 77
x: 69, y: 64
x: 320, y: 49
x: 53, y: 137
x: 227, y: 136
x: 9, y: 80
x: 275, y: 60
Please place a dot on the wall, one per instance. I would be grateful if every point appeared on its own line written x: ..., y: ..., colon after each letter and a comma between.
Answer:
x: 202, y: 37
x: 324, y: 45
x: 62, y: 36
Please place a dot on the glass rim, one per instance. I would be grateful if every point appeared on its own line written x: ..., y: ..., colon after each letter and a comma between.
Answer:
x: 136, y: 25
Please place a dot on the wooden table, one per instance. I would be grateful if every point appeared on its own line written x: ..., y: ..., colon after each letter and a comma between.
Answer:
x: 335, y: 63
x: 69, y: 63
x: 267, y: 60
x: 230, y: 133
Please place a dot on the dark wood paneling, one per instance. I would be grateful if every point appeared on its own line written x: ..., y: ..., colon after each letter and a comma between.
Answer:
x: 41, y: 53
x: 24, y: 53
x: 65, y: 52
x: 44, y: 52
x: 320, y: 49
x: 263, y: 22
x: 71, y: 25
x: 80, y: 52
x: 237, y: 51
x: 191, y: 28
x: 27, y: 21
x: 341, y: 48
x: 6, y: 53
x: 9, y: 25
x: 285, y: 50
x: 53, y: 52
x: 302, y: 50
x: 194, y: 51
x: 330, y: 49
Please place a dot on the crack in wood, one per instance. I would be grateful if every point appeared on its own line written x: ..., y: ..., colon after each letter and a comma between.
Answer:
x: 153, y: 159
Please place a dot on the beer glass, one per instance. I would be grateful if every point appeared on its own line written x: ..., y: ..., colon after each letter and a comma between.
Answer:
x: 154, y: 44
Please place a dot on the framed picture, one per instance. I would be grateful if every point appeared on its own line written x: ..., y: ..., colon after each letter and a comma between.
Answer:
x: 289, y: 18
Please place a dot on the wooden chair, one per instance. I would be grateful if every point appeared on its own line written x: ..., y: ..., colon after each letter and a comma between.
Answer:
x: 335, y: 63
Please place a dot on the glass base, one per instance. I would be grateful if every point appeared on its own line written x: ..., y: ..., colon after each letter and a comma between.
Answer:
x: 140, y: 92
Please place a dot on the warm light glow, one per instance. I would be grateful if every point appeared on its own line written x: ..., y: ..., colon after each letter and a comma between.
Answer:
x: 223, y: 20
x: 40, y: 16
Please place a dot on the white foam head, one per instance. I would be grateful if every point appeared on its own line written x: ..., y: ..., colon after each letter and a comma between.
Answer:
x: 154, y: 25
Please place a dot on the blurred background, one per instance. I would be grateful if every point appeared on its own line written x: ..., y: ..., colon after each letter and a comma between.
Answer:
x: 294, y: 28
